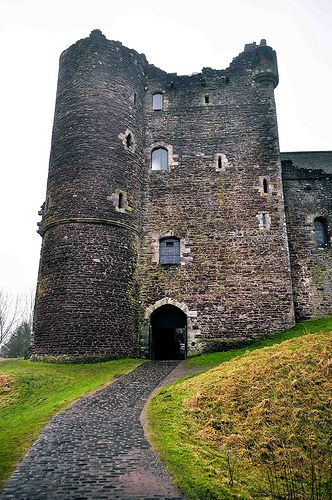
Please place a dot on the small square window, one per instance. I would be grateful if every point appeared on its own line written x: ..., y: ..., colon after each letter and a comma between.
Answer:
x: 169, y: 251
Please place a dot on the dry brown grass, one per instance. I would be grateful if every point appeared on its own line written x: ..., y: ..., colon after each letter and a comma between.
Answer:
x: 6, y: 389
x: 268, y: 418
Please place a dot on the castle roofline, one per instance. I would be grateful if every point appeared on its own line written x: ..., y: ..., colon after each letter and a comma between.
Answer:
x: 321, y: 151
x: 258, y: 57
x: 97, y: 37
x: 310, y: 160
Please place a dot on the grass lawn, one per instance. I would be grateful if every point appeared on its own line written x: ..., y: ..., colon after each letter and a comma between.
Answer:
x: 256, y: 426
x: 31, y: 393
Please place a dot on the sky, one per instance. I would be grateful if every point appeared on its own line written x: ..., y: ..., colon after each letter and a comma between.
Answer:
x: 177, y: 36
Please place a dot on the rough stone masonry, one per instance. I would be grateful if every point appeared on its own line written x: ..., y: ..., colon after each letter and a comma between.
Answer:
x: 171, y: 223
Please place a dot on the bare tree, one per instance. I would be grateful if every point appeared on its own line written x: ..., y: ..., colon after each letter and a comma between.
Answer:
x: 13, y: 311
x: 19, y: 344
x: 27, y: 306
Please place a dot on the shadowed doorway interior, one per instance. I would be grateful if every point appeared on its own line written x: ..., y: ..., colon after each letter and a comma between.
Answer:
x: 168, y: 333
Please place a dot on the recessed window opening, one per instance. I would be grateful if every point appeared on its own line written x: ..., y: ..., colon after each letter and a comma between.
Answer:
x: 129, y: 140
x: 264, y: 220
x: 320, y: 225
x: 265, y: 186
x: 207, y: 99
x: 159, y: 159
x: 219, y: 162
x: 157, y: 102
x: 121, y: 202
x: 169, y: 251
x: 135, y: 98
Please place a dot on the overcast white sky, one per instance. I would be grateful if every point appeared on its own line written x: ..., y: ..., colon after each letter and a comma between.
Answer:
x: 178, y: 36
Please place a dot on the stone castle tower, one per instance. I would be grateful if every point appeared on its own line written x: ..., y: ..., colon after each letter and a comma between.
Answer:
x: 164, y: 225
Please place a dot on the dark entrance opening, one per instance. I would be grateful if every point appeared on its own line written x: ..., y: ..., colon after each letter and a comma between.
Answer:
x: 168, y: 333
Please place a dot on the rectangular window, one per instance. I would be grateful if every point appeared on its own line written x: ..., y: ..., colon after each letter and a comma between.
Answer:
x: 169, y: 251
x: 157, y: 102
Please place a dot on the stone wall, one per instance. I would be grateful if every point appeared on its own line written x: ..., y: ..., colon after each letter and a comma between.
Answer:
x: 234, y: 273
x: 310, y: 160
x: 221, y: 195
x: 84, y: 301
x: 308, y: 194
x: 87, y: 290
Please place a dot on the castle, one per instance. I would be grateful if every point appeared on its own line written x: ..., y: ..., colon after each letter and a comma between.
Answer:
x: 172, y: 224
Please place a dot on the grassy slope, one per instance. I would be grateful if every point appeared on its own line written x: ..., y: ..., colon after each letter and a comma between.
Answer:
x: 257, y: 426
x: 31, y: 393
x: 207, y: 361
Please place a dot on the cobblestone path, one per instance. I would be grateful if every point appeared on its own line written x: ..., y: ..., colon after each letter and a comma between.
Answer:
x: 97, y: 448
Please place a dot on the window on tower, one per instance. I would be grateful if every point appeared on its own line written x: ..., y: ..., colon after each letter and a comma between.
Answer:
x: 320, y: 225
x: 157, y: 102
x: 121, y: 202
x: 169, y: 251
x: 129, y: 140
x: 159, y: 159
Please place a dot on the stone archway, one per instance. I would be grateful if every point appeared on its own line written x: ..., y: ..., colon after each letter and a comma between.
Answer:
x: 191, y: 334
x: 162, y: 302
x: 168, y: 333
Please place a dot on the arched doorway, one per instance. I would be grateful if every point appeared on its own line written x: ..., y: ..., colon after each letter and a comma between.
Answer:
x: 168, y: 333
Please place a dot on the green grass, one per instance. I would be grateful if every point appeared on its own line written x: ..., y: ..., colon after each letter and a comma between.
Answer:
x: 256, y: 426
x: 31, y: 393
x: 207, y: 361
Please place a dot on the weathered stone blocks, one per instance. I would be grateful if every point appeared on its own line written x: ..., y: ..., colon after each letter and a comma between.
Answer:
x: 221, y: 196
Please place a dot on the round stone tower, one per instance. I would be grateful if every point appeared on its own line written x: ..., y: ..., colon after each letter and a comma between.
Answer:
x: 91, y: 219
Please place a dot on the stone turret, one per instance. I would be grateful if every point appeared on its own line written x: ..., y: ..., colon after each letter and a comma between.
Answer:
x: 86, y: 294
x: 265, y: 70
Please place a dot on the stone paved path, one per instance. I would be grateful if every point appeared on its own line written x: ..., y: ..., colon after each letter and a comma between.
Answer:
x: 96, y: 448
